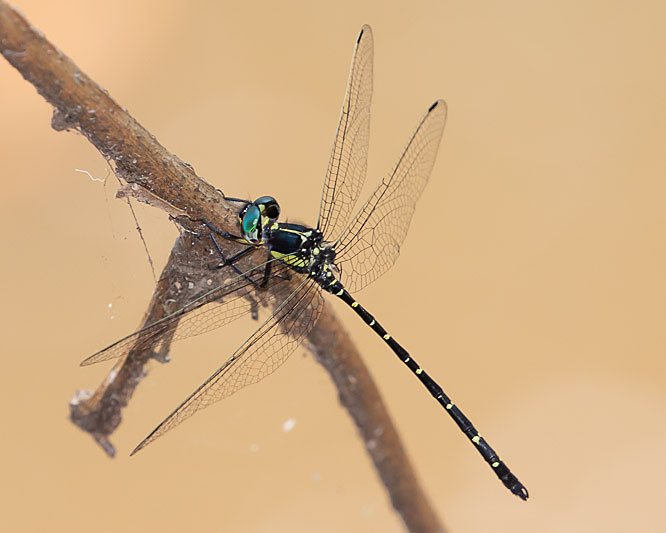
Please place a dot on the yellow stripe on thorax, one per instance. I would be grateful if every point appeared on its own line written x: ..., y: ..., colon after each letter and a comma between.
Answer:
x: 292, y: 260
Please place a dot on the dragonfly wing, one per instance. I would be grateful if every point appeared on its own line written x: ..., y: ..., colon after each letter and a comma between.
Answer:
x: 348, y: 163
x: 369, y: 246
x: 237, y: 297
x: 260, y: 355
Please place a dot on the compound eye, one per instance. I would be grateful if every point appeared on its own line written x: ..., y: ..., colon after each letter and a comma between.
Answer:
x: 250, y: 222
x: 269, y: 207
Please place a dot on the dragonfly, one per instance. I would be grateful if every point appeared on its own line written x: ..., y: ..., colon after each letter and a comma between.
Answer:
x: 344, y: 253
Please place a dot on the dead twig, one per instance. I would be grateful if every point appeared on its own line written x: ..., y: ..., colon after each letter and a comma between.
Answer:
x: 156, y: 176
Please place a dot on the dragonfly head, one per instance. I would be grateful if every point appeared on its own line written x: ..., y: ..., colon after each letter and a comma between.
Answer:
x: 256, y: 216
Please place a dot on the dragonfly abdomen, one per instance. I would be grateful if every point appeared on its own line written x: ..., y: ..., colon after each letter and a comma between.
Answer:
x: 501, y: 470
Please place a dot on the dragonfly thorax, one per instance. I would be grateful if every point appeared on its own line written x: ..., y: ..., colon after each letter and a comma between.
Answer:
x: 302, y: 248
x: 322, y: 265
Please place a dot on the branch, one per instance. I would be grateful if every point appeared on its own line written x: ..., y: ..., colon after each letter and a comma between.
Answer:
x: 158, y: 177
x: 334, y: 349
x: 83, y: 105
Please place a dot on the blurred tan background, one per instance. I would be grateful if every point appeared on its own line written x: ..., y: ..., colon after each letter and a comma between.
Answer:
x: 532, y: 284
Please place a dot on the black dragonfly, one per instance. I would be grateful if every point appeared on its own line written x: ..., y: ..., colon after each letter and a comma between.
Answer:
x: 341, y: 256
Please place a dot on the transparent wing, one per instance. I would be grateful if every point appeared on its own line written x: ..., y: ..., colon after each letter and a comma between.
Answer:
x: 239, y: 296
x: 369, y: 246
x: 260, y: 355
x: 348, y: 163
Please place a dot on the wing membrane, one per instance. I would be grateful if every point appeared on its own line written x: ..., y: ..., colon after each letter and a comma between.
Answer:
x: 220, y: 306
x: 260, y: 355
x: 349, y: 159
x: 369, y: 246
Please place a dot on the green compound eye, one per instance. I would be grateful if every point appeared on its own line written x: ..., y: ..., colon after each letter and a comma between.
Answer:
x: 251, y: 220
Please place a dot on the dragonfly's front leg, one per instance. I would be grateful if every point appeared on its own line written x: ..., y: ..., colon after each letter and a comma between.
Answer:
x: 233, y: 259
x: 231, y: 262
x: 224, y: 234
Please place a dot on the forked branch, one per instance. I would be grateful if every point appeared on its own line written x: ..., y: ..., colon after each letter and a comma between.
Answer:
x: 159, y: 177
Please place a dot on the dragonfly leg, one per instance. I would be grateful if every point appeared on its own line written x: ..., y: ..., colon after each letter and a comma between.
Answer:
x: 223, y: 233
x: 230, y: 198
x: 267, y: 275
x: 235, y: 199
x: 233, y: 259
x: 230, y: 261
